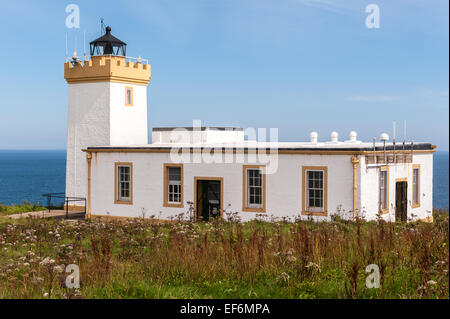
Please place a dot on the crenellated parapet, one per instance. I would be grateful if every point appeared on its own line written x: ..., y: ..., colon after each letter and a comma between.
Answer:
x: 107, y: 69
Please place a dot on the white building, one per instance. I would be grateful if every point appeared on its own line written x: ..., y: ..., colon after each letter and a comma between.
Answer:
x: 209, y: 171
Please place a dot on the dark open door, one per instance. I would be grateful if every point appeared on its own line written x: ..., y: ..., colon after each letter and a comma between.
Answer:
x: 208, y: 199
x: 401, y: 201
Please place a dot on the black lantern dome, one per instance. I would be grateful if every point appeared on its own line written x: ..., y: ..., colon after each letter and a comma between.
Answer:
x: 108, y: 44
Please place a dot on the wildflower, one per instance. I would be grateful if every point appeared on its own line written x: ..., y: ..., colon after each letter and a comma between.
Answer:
x: 285, y: 276
x: 47, y: 261
x: 45, y: 294
x: 431, y: 282
x: 311, y: 264
x: 37, y: 280
x: 58, y: 269
x: 291, y: 258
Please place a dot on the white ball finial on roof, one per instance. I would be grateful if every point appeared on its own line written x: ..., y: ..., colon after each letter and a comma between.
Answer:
x: 384, y: 137
x: 313, y: 137
x: 353, y: 136
x: 334, y: 137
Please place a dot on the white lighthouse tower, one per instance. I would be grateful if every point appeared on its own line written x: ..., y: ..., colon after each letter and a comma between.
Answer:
x: 107, y: 105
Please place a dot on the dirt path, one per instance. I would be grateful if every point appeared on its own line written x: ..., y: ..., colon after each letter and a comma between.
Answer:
x: 42, y: 214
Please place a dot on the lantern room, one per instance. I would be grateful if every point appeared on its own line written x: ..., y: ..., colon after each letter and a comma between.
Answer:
x: 108, y: 45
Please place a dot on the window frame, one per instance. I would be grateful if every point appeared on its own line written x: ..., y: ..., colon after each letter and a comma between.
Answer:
x: 305, y: 187
x: 416, y: 167
x: 166, y: 202
x: 126, y: 96
x: 246, y: 207
x: 386, y: 189
x: 117, y: 198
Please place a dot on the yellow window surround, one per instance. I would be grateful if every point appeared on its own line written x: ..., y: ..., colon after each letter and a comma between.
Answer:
x: 116, y: 183
x: 166, y: 202
x: 385, y: 210
x: 245, y: 207
x: 128, y: 102
x: 414, y: 203
x: 305, y: 211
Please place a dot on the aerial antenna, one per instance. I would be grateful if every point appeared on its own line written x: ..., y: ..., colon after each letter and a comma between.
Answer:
x: 76, y: 40
x: 404, y: 130
x: 393, y: 139
x: 84, y: 44
x: 67, y: 53
x: 393, y: 128
x: 102, y: 26
x: 404, y: 137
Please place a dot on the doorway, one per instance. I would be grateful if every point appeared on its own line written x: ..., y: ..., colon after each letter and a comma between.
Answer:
x: 401, y: 200
x: 208, y: 202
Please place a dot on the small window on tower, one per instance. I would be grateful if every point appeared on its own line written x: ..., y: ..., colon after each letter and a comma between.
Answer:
x: 128, y: 96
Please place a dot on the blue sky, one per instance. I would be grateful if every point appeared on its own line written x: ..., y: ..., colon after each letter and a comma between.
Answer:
x: 297, y: 65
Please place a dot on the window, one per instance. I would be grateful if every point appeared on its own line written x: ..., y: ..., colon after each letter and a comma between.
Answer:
x: 128, y: 96
x: 384, y: 189
x: 416, y: 186
x: 123, y: 183
x: 173, y: 185
x: 254, y: 186
x: 314, y: 190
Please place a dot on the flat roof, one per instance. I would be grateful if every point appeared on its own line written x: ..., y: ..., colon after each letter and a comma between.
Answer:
x: 282, y: 146
x: 202, y: 128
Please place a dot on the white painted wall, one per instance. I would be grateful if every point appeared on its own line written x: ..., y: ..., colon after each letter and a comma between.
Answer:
x: 88, y: 124
x: 128, y: 123
x: 284, y: 188
x: 370, y: 188
x: 97, y: 115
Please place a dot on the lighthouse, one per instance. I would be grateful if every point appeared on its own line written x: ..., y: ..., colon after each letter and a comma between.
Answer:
x: 107, y: 105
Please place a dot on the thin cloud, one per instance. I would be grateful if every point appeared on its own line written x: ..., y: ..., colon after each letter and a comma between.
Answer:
x: 346, y: 7
x: 376, y: 98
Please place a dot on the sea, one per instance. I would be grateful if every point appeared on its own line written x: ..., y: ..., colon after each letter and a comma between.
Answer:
x: 26, y: 175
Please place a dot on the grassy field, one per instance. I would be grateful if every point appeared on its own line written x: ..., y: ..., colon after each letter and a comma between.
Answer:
x: 145, y: 259
x: 25, y: 207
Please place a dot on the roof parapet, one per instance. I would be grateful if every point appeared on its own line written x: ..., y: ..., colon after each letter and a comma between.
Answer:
x: 108, y: 68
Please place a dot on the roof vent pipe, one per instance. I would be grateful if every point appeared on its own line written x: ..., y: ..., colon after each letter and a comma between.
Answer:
x: 334, y: 137
x: 313, y: 137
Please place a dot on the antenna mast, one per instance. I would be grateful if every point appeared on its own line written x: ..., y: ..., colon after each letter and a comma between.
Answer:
x: 404, y: 130
x: 102, y: 26
x: 67, y: 53
x: 393, y: 140
x: 76, y: 40
x: 84, y: 44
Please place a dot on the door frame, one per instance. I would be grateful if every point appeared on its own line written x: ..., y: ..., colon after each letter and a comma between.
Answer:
x: 217, y: 179
x: 400, y: 180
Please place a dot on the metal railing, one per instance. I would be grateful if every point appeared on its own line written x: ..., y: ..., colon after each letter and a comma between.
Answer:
x: 392, y: 156
x: 67, y: 201
x: 389, y: 158
x: 127, y: 59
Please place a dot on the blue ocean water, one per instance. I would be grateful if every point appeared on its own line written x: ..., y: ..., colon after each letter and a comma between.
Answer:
x: 440, y: 180
x: 26, y: 175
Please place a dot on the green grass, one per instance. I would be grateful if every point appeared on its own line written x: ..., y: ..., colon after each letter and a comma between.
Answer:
x: 25, y: 207
x: 145, y: 259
